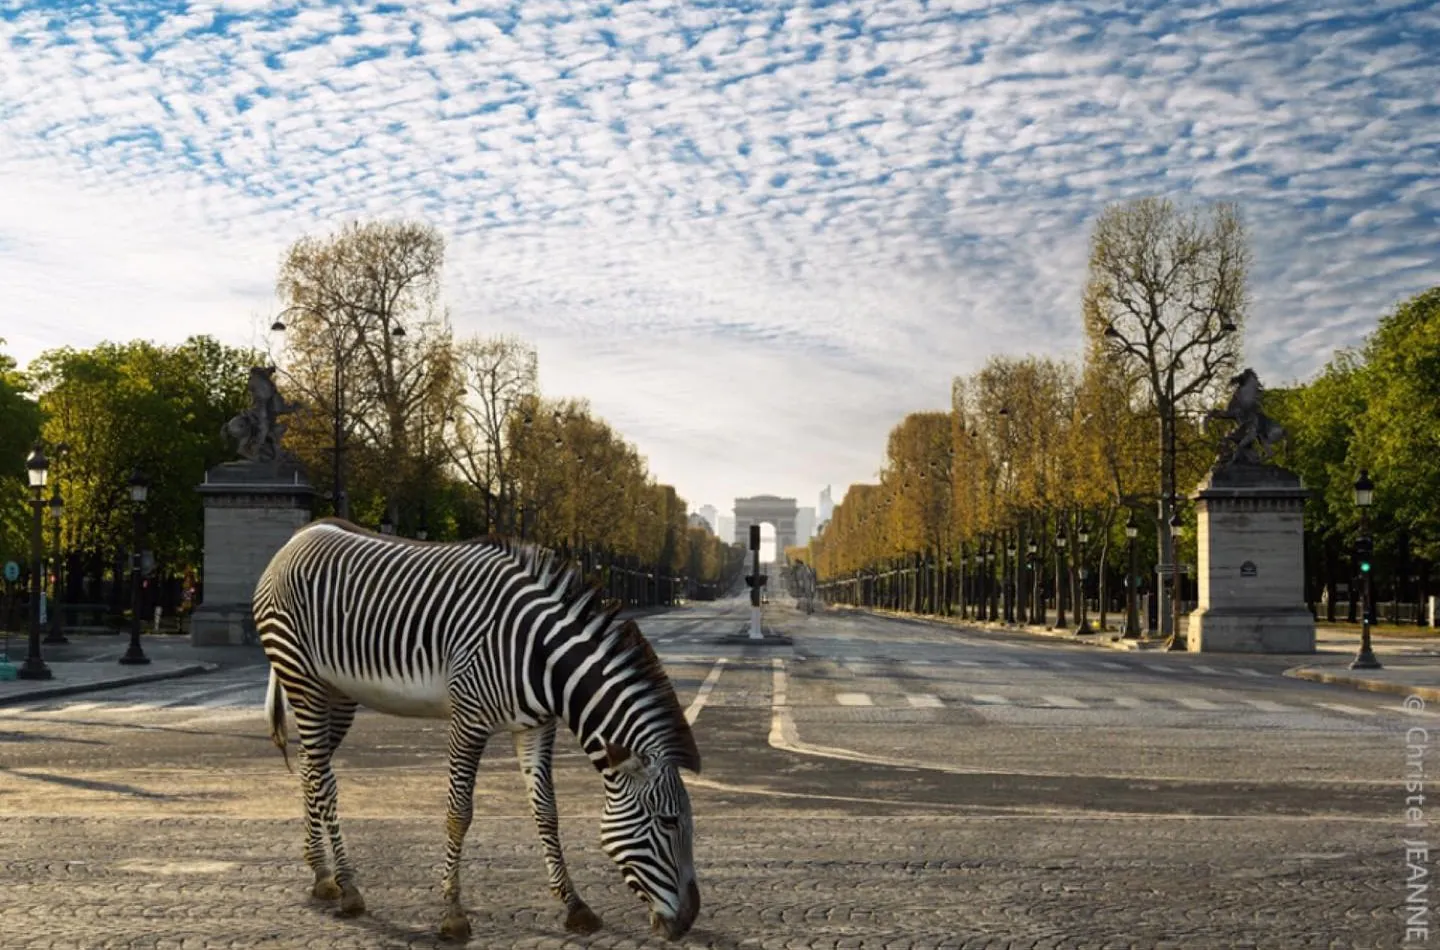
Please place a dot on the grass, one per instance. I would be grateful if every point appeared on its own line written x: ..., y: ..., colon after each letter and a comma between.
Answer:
x: 1407, y: 630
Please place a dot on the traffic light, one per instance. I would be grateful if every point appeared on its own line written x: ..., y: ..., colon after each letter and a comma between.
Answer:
x: 1364, y: 550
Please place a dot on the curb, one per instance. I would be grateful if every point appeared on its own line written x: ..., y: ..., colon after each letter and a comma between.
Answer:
x: 1314, y: 675
x: 70, y: 689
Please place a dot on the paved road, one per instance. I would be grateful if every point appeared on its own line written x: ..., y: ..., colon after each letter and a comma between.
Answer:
x: 878, y: 783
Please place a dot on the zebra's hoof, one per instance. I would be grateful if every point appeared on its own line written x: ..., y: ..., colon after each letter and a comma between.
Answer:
x: 582, y: 920
x: 325, y: 889
x: 351, y: 903
x: 455, y: 926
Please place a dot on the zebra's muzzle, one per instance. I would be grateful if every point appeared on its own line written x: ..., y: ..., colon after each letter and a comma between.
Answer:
x: 678, y: 926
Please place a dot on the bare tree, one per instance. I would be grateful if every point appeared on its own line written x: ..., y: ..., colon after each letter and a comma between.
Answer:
x: 1166, y: 300
x: 499, y: 376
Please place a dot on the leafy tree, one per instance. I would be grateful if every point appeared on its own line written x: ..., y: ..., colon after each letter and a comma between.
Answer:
x: 19, y: 428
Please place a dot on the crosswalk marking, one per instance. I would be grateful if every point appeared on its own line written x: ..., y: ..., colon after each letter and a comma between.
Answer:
x: 1248, y: 672
x: 1062, y: 664
x: 924, y: 701
x: 987, y: 699
x: 1199, y: 668
x: 1129, y: 702
x: 1157, y: 667
x: 1112, y: 666
x: 1265, y: 705
x: 1351, y: 710
x: 1192, y: 703
x: 1064, y: 702
x: 854, y: 699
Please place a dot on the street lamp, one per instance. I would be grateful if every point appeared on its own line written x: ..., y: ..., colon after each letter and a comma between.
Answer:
x: 1132, y: 600
x: 36, y: 470
x: 1012, y: 599
x: 1037, y: 605
x: 1082, y: 616
x: 1060, y: 578
x: 1364, y: 551
x: 139, y: 490
x: 57, y: 508
x: 1177, y: 527
x: 993, y: 613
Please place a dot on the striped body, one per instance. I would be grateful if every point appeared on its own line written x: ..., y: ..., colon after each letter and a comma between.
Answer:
x: 487, y: 635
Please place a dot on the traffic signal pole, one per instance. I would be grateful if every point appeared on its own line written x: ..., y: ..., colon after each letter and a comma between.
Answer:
x: 756, y: 580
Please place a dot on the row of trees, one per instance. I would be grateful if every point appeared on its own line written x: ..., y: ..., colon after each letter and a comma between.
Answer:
x: 1032, y: 449
x: 432, y: 433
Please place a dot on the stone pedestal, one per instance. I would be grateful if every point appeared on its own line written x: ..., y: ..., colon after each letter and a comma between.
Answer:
x: 1251, y: 563
x: 251, y: 510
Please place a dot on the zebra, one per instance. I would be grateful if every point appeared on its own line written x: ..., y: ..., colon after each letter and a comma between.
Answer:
x: 489, y: 634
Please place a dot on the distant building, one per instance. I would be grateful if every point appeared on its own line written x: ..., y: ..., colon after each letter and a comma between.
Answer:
x: 827, y: 507
x: 804, y: 524
x: 708, y: 512
x: 698, y: 521
x: 725, y: 527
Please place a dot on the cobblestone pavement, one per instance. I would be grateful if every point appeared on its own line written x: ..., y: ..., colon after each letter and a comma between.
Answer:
x: 162, y: 816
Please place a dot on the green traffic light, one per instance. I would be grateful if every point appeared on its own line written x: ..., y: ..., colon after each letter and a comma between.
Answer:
x: 1365, y: 567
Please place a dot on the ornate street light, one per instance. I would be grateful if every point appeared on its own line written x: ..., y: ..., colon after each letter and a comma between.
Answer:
x: 1012, y: 599
x: 57, y: 629
x: 1364, y: 551
x: 1037, y: 605
x: 1132, y: 600
x: 341, y: 499
x: 37, y: 469
x: 139, y: 487
x: 1082, y: 535
x: 1177, y: 528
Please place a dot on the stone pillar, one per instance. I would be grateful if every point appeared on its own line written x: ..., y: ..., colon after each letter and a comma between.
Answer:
x: 251, y: 510
x: 1251, y: 525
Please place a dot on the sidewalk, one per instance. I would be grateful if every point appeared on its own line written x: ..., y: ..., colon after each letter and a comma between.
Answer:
x: 1410, y: 666
x: 91, y: 661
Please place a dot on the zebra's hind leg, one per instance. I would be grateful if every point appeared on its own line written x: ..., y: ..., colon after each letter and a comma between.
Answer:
x: 322, y: 726
x: 467, y: 742
x: 536, y: 751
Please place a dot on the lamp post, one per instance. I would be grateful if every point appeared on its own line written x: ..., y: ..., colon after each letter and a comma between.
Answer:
x: 1176, y: 528
x: 1364, y: 551
x: 1132, y: 601
x: 139, y: 490
x: 1060, y: 577
x: 994, y: 612
x: 57, y: 629
x: 337, y: 359
x: 1037, y: 604
x: 1081, y: 615
x: 1012, y: 590
x: 37, y: 469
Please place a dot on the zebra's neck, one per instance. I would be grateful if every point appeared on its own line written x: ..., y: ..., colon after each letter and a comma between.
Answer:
x: 610, y: 688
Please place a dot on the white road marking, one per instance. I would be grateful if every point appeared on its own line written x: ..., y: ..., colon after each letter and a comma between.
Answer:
x: 698, y: 703
x: 1351, y: 710
x: 1191, y: 703
x: 1129, y: 702
x: 1112, y: 666
x: 1198, y: 668
x: 1062, y: 664
x: 854, y: 699
x: 1064, y: 702
x: 1265, y: 705
x: 1249, y: 672
x: 924, y: 701
x: 986, y: 699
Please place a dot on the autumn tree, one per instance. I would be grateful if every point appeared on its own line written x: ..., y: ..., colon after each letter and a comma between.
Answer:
x: 368, y: 350
x: 1166, y: 299
x: 498, y: 375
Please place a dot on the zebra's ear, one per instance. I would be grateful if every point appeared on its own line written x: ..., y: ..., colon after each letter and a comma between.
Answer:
x: 616, y: 755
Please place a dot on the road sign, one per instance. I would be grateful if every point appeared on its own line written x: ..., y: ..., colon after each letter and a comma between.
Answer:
x: 12, y: 571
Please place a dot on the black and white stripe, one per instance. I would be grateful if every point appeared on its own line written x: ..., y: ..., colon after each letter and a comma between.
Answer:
x: 489, y: 634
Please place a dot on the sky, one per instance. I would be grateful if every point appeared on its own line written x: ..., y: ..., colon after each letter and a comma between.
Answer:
x: 753, y: 234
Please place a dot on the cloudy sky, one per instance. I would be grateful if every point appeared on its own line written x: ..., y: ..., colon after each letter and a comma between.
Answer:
x: 754, y: 233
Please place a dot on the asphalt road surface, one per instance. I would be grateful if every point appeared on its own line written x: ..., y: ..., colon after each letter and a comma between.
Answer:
x: 876, y: 782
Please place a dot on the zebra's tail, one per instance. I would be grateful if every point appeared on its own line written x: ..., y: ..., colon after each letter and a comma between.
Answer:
x: 275, y: 714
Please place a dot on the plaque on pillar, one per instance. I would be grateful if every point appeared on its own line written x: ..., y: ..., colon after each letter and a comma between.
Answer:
x: 1250, y: 516
x: 252, y: 507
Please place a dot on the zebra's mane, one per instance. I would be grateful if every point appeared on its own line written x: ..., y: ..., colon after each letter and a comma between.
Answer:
x: 565, y: 580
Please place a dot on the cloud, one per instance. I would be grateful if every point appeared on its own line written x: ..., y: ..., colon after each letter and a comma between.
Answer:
x: 755, y: 236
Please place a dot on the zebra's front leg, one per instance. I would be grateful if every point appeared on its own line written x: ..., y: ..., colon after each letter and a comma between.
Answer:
x: 467, y: 742
x: 536, y: 751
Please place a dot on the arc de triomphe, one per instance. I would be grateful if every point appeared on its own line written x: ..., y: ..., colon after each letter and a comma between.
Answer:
x: 779, y: 512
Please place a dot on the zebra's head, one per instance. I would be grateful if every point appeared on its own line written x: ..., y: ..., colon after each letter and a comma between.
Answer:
x: 647, y: 830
